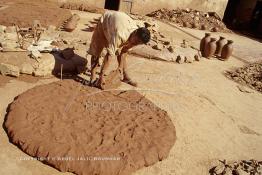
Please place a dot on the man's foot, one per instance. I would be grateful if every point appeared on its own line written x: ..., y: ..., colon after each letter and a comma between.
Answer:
x: 93, y: 83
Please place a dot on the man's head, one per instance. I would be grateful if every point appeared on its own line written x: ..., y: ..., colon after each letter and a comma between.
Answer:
x: 139, y: 36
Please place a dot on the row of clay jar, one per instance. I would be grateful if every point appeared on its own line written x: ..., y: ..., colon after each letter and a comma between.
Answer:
x: 222, y: 48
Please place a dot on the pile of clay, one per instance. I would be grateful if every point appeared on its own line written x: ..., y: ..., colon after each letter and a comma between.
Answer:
x: 250, y: 75
x: 80, y: 129
x: 192, y: 19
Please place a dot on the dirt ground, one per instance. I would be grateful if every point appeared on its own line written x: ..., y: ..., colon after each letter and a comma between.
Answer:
x: 22, y: 13
x: 214, y: 120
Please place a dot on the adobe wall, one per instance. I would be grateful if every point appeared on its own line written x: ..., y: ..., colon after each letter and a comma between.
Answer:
x: 146, y: 6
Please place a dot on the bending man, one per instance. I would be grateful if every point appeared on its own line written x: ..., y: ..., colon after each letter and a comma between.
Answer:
x: 118, y: 33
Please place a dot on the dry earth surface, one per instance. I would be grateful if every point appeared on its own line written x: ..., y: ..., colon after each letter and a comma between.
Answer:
x: 214, y: 120
x: 23, y: 12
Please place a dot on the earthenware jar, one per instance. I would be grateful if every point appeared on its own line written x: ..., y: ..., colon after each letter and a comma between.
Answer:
x: 203, y: 27
x: 210, y: 48
x: 203, y: 42
x: 227, y: 50
x: 214, y: 29
x: 70, y: 25
x: 186, y: 24
x: 195, y: 25
x: 220, y: 44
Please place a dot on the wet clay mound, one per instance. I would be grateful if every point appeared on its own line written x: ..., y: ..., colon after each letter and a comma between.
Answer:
x: 86, y: 131
x: 191, y: 19
x: 250, y: 75
x: 22, y: 13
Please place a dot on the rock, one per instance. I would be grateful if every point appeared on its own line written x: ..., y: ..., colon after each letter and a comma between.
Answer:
x: 214, y: 14
x: 206, y: 15
x: 147, y: 24
x: 189, y: 59
x: 2, y: 28
x: 36, y: 24
x: 235, y: 172
x: 64, y: 41
x: 25, y: 45
x: 158, y: 46
x: 248, y: 162
x: 247, y: 168
x: 55, y: 43
x: 197, y: 57
x: 166, y: 42
x: 26, y: 68
x: 180, y: 59
x: 45, y: 66
x: 187, y: 10
x: 8, y: 69
x: 68, y: 53
x: 219, y: 169
x: 239, y: 172
x: 184, y: 44
x: 227, y: 171
x: 10, y: 29
x: 170, y: 49
x: 35, y: 54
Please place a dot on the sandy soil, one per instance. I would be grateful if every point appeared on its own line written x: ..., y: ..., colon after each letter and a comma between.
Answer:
x: 25, y: 78
x: 213, y: 118
x: 22, y: 13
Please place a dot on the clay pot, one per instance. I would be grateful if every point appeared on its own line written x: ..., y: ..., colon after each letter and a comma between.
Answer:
x: 195, y: 25
x: 227, y: 50
x: 203, y: 43
x: 70, y: 25
x: 214, y: 29
x: 186, y: 24
x: 210, y: 48
x: 220, y: 44
x: 203, y: 27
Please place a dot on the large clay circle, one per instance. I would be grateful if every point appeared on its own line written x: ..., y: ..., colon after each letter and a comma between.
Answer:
x: 87, y: 131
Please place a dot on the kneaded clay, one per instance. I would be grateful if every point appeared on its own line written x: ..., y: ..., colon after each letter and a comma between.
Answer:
x: 80, y: 129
